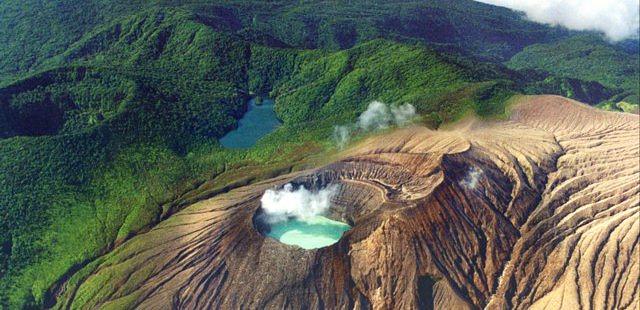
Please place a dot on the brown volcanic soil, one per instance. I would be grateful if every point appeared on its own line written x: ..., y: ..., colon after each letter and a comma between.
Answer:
x: 538, y: 211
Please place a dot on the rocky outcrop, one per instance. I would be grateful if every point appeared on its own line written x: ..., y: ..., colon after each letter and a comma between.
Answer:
x: 540, y: 210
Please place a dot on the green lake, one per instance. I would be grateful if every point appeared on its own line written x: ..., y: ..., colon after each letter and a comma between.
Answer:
x: 308, y: 233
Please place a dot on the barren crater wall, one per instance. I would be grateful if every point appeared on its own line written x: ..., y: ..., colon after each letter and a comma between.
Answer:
x: 463, y: 218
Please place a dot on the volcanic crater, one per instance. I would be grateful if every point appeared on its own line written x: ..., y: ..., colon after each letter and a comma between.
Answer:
x: 486, y: 214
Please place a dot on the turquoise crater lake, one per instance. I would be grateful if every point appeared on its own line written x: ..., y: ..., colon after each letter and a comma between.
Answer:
x: 308, y: 233
x: 258, y: 121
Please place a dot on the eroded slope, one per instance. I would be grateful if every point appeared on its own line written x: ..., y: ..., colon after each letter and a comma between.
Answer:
x: 538, y: 210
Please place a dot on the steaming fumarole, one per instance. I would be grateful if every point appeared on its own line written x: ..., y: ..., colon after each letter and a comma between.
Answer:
x: 294, y: 217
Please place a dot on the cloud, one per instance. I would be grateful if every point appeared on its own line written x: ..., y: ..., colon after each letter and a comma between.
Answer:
x: 618, y: 19
x: 377, y: 116
x: 289, y: 202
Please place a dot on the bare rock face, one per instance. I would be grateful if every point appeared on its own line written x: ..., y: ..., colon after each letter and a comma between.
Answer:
x: 538, y: 211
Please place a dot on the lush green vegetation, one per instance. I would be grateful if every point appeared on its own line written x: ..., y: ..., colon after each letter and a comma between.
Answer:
x: 41, y: 30
x: 111, y: 110
x: 589, y: 58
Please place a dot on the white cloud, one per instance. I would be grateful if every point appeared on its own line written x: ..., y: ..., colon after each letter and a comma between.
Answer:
x: 618, y: 19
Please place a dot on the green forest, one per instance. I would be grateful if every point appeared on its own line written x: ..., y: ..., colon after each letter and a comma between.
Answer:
x: 111, y: 111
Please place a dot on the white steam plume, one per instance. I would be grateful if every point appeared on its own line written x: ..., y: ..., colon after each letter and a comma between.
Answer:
x: 342, y: 135
x: 403, y: 114
x: 618, y: 19
x: 377, y: 116
x: 280, y: 205
x: 471, y: 179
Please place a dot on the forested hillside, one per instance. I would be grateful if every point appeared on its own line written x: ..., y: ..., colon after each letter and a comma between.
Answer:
x: 35, y: 31
x: 111, y: 110
x: 588, y: 58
